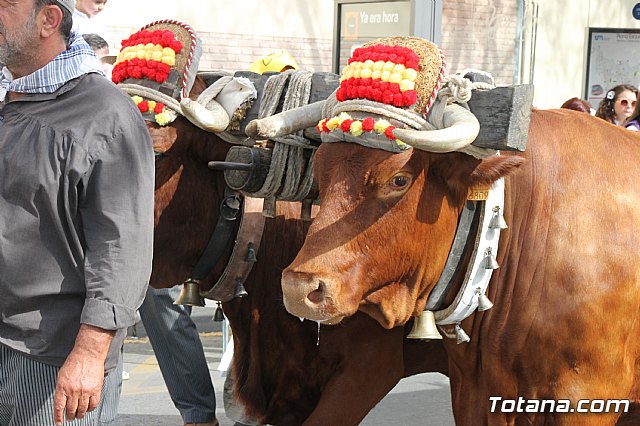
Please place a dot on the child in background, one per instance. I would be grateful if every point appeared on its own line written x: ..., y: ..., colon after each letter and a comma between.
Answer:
x: 84, y: 17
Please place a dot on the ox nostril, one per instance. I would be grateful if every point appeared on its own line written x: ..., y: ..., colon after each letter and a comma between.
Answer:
x: 317, y: 295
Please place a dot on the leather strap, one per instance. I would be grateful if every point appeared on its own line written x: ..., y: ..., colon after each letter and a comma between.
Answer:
x: 248, y: 238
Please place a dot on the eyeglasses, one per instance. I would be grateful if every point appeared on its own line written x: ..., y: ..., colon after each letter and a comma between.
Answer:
x: 626, y: 102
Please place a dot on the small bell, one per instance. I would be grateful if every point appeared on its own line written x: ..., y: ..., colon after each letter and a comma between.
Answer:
x: 484, y: 303
x: 240, y: 291
x: 251, y: 254
x: 219, y: 315
x: 461, y: 336
x: 190, y: 294
x: 497, y: 221
x: 424, y: 327
x: 489, y: 261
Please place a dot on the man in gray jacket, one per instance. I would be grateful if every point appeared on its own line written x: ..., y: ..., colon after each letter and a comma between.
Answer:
x: 76, y: 218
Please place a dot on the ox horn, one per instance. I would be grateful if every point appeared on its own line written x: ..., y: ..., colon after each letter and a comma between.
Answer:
x: 461, y: 128
x: 210, y: 118
x: 285, y: 122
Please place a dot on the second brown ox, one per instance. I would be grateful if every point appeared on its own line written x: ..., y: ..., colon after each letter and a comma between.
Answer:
x: 565, y: 323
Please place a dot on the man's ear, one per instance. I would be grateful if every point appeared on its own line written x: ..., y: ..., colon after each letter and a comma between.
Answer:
x: 49, y: 17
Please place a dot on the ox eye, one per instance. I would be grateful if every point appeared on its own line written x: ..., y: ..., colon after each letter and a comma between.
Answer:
x: 400, y: 181
x: 397, y: 185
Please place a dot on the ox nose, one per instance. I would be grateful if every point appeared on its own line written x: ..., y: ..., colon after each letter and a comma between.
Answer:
x: 305, y: 295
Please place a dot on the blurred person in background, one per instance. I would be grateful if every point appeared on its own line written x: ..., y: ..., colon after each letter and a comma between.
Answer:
x: 85, y: 19
x: 101, y: 49
x: 578, y: 104
x: 618, y: 104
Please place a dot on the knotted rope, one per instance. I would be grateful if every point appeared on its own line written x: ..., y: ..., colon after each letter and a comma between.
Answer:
x: 456, y: 88
x: 290, y: 173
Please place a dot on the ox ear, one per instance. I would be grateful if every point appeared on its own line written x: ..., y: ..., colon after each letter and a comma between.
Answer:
x: 470, y: 172
x: 493, y: 168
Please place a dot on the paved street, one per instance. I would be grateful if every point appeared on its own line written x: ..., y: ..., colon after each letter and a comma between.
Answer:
x: 419, y: 400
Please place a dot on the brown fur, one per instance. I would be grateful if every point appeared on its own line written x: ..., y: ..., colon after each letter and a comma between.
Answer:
x: 281, y: 375
x: 567, y: 294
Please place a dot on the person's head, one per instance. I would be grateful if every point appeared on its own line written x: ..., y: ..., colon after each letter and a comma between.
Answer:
x: 32, y: 31
x: 277, y: 61
x: 97, y: 43
x: 618, y: 104
x: 577, y: 104
x: 90, y: 7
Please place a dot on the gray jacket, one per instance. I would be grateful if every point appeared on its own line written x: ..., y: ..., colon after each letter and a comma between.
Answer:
x: 76, y: 216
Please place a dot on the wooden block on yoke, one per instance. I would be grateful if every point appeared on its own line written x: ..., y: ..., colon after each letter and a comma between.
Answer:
x: 323, y: 84
x: 504, y: 114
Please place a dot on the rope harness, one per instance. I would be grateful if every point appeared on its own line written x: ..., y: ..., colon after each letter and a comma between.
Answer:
x: 290, y: 173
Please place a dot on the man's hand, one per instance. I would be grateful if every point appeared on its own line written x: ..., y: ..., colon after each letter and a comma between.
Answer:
x: 80, y: 378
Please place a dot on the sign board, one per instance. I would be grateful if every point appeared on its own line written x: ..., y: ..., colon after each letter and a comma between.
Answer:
x: 360, y: 21
x: 612, y: 59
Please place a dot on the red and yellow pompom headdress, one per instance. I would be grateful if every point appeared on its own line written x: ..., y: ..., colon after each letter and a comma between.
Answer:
x: 157, y: 67
x: 381, y: 78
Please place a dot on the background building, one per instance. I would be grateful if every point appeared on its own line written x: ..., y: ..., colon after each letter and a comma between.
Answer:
x: 544, y: 42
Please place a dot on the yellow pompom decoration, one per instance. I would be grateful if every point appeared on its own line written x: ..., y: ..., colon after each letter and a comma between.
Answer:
x: 395, y: 78
x: 399, y: 68
x: 381, y: 125
x: 407, y: 85
x: 356, y: 128
x: 169, y: 60
x: 410, y: 74
x: 333, y: 123
x: 163, y: 119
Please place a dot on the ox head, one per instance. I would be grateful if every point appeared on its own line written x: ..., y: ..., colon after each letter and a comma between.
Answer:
x: 187, y: 194
x: 390, y: 202
x: 385, y: 226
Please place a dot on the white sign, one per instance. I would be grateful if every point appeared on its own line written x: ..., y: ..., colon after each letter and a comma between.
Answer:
x: 614, y: 58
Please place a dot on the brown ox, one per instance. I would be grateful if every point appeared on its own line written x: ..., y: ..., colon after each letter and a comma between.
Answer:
x: 281, y: 375
x: 567, y: 293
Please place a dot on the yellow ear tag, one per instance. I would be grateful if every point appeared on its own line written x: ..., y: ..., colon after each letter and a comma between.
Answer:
x: 478, y: 193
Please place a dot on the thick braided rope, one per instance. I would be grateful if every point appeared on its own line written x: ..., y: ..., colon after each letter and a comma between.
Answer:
x: 288, y: 152
x: 298, y: 94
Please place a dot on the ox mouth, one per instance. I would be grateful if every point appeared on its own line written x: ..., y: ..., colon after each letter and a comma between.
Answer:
x: 331, y: 321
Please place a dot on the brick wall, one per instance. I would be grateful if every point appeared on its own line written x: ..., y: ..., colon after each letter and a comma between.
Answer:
x: 480, y: 34
x: 238, y: 51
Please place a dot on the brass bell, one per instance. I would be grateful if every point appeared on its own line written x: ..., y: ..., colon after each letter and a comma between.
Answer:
x: 461, y: 336
x: 489, y: 261
x: 240, y: 291
x: 484, y: 303
x: 190, y: 294
x: 424, y: 327
x: 251, y: 254
x: 497, y: 220
x: 219, y: 315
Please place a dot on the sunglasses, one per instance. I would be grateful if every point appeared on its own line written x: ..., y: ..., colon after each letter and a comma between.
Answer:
x: 626, y: 102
